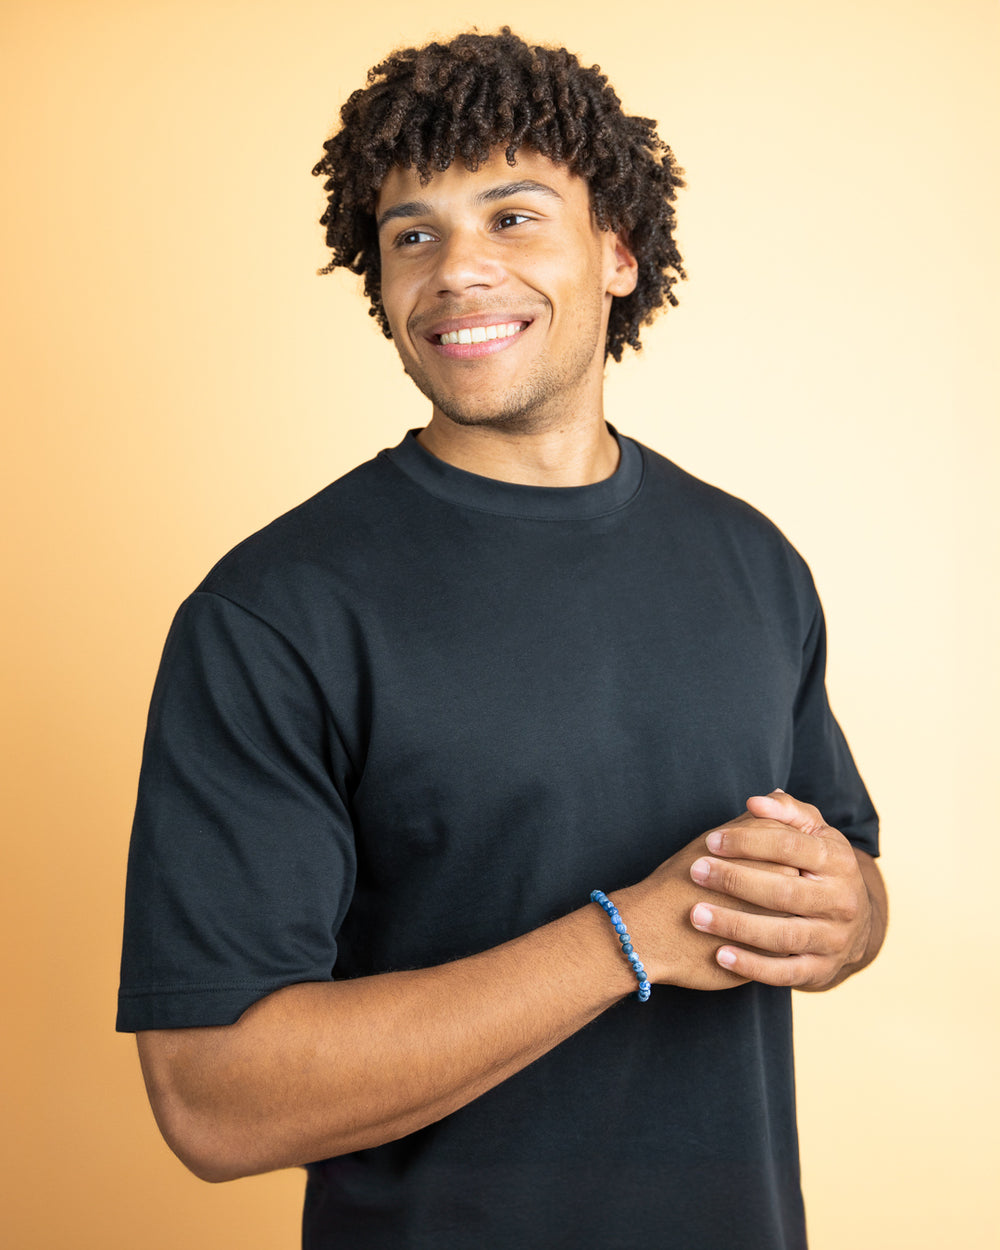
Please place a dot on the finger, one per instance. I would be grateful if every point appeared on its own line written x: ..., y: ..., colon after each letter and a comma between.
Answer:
x: 778, y: 935
x: 790, y: 811
x: 774, y: 891
x: 768, y: 865
x: 769, y: 842
x: 789, y: 970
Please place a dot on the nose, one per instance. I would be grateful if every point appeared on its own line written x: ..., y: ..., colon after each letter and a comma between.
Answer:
x: 464, y: 263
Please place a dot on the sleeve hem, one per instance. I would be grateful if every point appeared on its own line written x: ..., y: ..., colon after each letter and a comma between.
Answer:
x: 195, y: 1008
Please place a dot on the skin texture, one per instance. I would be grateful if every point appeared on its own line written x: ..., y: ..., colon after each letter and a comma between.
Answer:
x: 461, y: 252
x: 775, y: 895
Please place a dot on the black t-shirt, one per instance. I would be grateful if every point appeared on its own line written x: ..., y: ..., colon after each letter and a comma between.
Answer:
x: 426, y: 712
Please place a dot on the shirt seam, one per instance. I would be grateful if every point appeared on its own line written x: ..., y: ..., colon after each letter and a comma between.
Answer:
x: 523, y: 516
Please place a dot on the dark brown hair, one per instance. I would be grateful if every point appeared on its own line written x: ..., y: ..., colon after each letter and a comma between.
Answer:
x: 424, y: 108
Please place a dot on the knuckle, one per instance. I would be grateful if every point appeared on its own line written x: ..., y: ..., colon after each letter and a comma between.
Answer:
x: 787, y: 972
x: 792, y: 938
x: 789, y: 845
x: 823, y: 854
x: 740, y: 927
x: 823, y: 973
x: 791, y: 849
x: 847, y: 910
x: 784, y: 894
x: 811, y: 972
x: 838, y: 854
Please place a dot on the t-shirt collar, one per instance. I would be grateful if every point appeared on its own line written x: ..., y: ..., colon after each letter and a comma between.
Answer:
x: 541, y: 503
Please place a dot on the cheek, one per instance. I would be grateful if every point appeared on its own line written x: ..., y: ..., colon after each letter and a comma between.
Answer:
x: 564, y: 277
x: 394, y: 301
x: 394, y: 281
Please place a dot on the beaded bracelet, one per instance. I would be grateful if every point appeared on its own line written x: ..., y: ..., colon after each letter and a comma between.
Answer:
x: 628, y: 950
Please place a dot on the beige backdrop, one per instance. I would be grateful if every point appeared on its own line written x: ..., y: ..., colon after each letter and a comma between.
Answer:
x: 175, y: 375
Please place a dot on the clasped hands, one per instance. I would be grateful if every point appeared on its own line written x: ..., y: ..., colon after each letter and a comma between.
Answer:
x: 815, y: 920
x: 775, y: 895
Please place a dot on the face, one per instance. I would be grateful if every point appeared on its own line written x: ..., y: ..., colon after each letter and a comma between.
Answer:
x: 497, y: 286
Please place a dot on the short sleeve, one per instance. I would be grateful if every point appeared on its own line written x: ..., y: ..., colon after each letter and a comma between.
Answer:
x: 242, y: 860
x: 823, y: 770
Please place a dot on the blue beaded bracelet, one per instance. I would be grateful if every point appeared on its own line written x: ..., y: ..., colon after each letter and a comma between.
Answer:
x: 628, y: 950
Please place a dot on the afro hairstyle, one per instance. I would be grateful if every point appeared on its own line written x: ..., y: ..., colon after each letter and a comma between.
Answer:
x: 424, y: 108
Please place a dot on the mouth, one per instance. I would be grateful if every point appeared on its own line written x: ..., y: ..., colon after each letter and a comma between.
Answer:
x: 480, y: 333
x: 475, y: 337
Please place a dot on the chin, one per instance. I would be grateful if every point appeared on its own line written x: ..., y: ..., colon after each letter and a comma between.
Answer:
x: 520, y: 421
x: 519, y: 409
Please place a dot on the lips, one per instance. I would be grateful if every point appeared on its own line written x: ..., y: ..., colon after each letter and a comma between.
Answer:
x: 481, y: 333
x: 475, y: 335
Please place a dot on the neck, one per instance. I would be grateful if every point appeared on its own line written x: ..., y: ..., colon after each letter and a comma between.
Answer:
x: 574, y: 454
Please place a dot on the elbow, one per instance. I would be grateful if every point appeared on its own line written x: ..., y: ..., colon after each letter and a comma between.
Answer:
x: 200, y: 1142
x: 210, y: 1144
x: 212, y: 1168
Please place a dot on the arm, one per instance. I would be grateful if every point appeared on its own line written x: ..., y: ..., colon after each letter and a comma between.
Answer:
x: 830, y: 919
x: 318, y: 1069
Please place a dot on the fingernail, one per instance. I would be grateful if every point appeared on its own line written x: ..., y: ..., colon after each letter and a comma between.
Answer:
x: 701, y: 917
x: 714, y: 841
x: 726, y: 957
x: 777, y: 790
x: 701, y: 869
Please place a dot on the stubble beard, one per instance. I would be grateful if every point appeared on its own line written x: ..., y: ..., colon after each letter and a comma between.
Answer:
x: 542, y: 400
x: 521, y: 409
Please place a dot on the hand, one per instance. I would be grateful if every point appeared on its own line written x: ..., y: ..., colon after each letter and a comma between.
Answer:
x: 658, y: 911
x: 811, y: 926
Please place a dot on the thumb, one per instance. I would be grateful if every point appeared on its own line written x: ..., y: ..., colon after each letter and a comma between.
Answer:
x: 790, y: 811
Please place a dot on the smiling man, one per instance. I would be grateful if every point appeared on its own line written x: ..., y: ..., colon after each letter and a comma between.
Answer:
x: 497, y: 289
x: 402, y: 735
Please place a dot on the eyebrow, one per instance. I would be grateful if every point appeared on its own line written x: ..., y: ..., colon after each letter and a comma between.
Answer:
x: 503, y: 191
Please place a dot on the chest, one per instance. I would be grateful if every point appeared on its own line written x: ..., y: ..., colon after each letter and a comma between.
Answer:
x: 543, y: 719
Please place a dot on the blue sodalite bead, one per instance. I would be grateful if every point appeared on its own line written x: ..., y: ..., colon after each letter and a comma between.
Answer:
x: 628, y: 950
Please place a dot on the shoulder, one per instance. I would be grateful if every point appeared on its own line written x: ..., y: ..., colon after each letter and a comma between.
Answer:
x: 310, y: 575
x: 722, y: 530
x: 679, y: 491
x: 326, y: 539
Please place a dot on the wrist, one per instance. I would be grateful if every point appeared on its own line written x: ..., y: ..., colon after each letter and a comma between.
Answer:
x: 632, y: 956
x: 614, y: 970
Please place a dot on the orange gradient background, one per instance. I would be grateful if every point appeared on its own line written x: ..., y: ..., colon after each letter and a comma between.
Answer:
x: 175, y: 375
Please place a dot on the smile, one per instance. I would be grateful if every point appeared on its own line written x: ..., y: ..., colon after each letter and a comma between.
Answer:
x: 480, y: 334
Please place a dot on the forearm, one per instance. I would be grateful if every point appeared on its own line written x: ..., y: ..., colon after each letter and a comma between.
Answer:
x: 319, y: 1069
x: 879, y: 902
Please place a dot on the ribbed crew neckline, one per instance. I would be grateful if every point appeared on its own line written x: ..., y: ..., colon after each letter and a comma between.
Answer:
x: 537, y: 503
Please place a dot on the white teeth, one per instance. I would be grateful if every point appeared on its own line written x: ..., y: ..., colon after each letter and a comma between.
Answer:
x: 479, y: 334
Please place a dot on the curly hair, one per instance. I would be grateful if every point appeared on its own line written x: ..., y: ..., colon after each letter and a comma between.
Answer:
x: 424, y: 108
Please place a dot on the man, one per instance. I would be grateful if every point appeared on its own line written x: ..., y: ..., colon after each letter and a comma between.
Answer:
x: 400, y: 735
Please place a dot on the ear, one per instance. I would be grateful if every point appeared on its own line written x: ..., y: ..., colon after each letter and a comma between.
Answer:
x: 622, y: 266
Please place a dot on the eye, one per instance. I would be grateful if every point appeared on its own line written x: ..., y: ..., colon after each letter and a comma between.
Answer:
x: 410, y: 238
x: 511, y: 219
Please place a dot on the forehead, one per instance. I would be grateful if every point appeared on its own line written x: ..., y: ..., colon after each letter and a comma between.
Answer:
x: 531, y: 173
